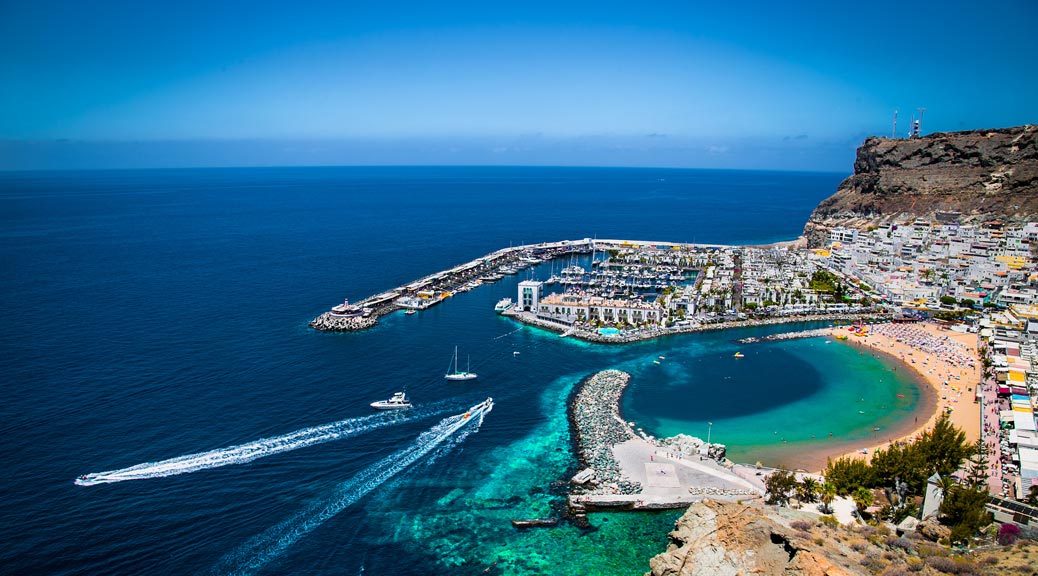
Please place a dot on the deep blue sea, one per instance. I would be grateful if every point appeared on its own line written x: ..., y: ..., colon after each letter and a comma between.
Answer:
x: 154, y: 314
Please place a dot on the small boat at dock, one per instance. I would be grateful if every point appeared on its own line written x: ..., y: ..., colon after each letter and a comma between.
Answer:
x: 399, y: 401
x: 502, y: 305
x: 535, y: 523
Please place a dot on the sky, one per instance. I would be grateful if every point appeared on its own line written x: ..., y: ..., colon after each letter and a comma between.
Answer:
x: 703, y: 84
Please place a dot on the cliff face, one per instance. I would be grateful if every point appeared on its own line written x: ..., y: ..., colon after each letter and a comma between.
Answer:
x: 720, y: 538
x: 979, y: 175
x: 729, y: 539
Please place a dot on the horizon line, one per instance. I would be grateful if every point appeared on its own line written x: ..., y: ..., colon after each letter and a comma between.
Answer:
x: 392, y: 165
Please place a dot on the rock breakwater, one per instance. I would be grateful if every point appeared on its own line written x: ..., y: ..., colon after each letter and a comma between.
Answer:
x: 594, y: 414
x: 332, y: 323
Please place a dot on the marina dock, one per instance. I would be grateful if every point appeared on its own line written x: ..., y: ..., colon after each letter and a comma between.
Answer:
x: 435, y: 288
x: 641, y: 290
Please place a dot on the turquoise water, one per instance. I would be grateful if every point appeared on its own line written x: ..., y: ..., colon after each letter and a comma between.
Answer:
x: 609, y: 331
x: 521, y: 479
x: 152, y: 314
x: 783, y: 403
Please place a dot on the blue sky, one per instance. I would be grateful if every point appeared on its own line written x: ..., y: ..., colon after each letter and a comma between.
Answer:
x: 771, y: 85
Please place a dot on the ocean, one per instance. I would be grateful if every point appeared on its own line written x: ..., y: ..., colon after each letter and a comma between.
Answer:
x: 155, y: 314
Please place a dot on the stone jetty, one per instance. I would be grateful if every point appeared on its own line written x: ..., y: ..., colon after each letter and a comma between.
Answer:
x: 595, y: 416
x: 786, y: 336
x: 332, y: 323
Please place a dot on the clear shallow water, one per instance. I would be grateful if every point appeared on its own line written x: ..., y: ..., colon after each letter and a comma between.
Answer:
x: 780, y: 400
x: 154, y: 314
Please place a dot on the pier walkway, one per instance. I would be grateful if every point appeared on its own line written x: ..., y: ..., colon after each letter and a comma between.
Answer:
x: 667, y: 482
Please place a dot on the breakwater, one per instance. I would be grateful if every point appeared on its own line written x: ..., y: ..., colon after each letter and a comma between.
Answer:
x: 594, y: 415
x: 786, y: 336
x: 624, y: 470
x: 435, y: 288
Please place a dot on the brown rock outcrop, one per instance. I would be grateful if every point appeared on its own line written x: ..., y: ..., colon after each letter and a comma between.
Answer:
x: 723, y: 538
x: 979, y: 174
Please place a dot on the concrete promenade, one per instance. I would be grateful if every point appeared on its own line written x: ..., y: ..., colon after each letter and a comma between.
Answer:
x: 591, y: 335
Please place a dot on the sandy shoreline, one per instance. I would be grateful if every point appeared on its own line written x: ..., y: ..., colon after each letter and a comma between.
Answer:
x: 929, y: 368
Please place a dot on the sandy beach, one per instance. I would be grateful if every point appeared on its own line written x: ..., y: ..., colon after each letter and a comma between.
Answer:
x: 945, y: 360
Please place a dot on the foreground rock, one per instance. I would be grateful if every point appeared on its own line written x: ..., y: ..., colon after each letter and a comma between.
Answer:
x: 967, y: 176
x: 724, y: 539
x: 721, y: 538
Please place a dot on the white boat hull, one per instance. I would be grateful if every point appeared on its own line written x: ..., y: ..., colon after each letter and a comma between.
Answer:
x: 462, y: 376
x: 388, y: 406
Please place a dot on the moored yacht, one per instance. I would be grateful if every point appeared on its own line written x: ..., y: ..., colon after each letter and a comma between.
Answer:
x: 399, y: 401
x: 502, y: 305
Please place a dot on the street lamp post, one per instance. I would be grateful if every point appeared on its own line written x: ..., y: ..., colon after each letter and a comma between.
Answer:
x: 709, y: 427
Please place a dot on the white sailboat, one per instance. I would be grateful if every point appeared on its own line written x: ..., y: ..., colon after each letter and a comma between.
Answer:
x: 457, y: 374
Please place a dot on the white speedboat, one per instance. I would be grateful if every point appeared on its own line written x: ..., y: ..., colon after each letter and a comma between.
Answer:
x: 399, y: 401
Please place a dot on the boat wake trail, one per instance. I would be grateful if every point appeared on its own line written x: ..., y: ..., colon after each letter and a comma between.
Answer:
x: 266, y: 547
x: 243, y: 453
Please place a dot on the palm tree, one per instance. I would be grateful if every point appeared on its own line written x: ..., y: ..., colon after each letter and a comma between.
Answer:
x: 945, y: 484
x: 807, y: 490
x: 863, y: 498
x: 828, y: 495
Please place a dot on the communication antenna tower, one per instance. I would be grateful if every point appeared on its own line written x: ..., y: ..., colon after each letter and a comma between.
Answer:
x: 921, y: 110
x: 893, y: 131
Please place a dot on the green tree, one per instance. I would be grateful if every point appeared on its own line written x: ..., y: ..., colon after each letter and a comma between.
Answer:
x: 945, y: 485
x: 949, y: 300
x: 807, y: 490
x: 779, y: 486
x: 964, y: 505
x: 904, y: 461
x: 1032, y: 495
x: 944, y: 448
x: 977, y: 471
x: 847, y: 474
x: 839, y: 293
x: 863, y: 498
x: 828, y: 494
x: 963, y: 510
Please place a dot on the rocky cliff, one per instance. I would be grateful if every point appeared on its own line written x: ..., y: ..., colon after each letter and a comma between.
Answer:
x: 969, y: 176
x: 728, y: 539
x: 723, y: 538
